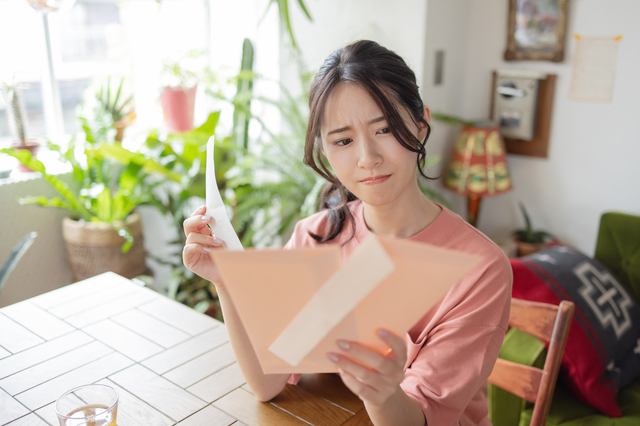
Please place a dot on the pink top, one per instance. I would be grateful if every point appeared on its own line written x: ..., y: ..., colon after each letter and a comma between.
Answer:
x: 452, y: 349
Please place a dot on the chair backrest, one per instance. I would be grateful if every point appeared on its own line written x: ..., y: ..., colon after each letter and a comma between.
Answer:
x: 551, y: 324
x: 15, y: 256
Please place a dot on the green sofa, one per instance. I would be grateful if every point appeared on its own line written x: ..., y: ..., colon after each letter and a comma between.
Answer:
x: 618, y: 248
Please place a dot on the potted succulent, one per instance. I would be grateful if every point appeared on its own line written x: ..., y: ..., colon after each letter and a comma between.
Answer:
x: 17, y: 122
x: 104, y: 232
x: 527, y: 240
x: 180, y: 79
x: 118, y: 105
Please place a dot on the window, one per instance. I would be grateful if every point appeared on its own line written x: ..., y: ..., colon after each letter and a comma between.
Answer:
x: 129, y: 38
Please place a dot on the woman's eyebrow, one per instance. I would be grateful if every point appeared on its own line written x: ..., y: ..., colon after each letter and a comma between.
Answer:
x: 345, y: 128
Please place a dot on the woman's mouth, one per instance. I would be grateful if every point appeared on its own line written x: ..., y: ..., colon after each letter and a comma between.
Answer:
x: 375, y: 180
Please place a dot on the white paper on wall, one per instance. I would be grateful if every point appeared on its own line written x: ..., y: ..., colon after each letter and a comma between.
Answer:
x: 594, y: 68
x: 220, y: 225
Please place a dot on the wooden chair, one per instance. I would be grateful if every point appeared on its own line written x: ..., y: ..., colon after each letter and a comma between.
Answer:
x: 549, y: 323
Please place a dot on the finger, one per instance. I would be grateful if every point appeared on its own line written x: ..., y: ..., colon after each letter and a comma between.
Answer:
x: 388, y: 366
x: 199, y: 211
x: 197, y: 223
x: 361, y: 372
x: 205, y: 240
x: 192, y: 252
x: 362, y: 390
x: 397, y: 345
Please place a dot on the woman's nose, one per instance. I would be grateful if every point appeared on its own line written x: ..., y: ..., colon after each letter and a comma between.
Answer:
x: 369, y: 154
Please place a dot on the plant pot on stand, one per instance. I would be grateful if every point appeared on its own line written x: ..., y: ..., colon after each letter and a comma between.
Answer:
x: 32, y: 145
x: 177, y: 106
x: 524, y: 248
x: 528, y: 240
x: 120, y: 125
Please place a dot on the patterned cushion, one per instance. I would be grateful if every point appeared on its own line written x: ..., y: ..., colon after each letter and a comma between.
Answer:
x: 603, y: 348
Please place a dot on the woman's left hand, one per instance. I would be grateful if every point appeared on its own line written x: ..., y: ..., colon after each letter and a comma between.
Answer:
x: 373, y: 377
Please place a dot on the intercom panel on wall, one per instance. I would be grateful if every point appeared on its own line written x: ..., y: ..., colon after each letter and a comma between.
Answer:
x: 515, y: 105
x: 521, y: 103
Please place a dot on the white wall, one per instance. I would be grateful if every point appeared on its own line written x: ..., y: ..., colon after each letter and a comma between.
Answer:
x: 397, y: 25
x: 44, y: 266
x: 593, y: 149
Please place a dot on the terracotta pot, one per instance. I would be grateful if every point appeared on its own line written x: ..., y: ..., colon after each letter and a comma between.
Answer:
x: 123, y: 124
x: 94, y: 248
x: 177, y: 107
x: 32, y: 145
x: 525, y: 249
x: 119, y: 126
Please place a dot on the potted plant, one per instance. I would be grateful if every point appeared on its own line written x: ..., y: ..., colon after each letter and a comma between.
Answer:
x: 118, y: 105
x: 17, y: 122
x: 104, y: 232
x: 527, y: 240
x: 180, y: 79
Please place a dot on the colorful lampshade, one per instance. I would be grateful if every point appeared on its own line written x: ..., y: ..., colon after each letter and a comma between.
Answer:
x: 478, y: 166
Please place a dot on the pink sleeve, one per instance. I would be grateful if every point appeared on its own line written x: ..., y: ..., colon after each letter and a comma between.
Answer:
x: 300, y: 236
x: 460, y: 351
x: 294, y: 379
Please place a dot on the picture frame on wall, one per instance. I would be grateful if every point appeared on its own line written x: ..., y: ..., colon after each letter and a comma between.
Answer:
x: 536, y: 30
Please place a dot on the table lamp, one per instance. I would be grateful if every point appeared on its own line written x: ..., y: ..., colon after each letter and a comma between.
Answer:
x: 478, y: 166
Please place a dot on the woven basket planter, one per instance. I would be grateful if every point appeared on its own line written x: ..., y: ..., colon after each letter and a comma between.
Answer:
x: 95, y: 248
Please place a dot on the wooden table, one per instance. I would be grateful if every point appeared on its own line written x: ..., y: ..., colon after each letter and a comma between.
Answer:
x: 169, y: 363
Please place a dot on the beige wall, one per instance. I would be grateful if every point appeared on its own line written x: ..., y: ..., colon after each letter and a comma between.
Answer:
x: 594, y: 148
x: 44, y: 266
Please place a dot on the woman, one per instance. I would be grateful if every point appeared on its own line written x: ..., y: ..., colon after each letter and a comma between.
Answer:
x: 368, y: 121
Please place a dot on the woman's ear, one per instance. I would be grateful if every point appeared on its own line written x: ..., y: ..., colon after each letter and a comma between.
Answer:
x: 427, y: 114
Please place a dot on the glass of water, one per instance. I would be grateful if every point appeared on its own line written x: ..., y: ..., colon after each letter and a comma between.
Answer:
x: 88, y: 405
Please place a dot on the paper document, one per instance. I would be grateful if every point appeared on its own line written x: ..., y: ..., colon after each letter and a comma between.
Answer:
x: 220, y: 224
x: 594, y: 69
x: 295, y: 304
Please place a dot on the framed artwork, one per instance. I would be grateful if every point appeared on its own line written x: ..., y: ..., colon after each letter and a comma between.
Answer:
x: 536, y: 30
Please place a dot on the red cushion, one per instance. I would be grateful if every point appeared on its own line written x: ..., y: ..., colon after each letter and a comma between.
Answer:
x: 599, y: 357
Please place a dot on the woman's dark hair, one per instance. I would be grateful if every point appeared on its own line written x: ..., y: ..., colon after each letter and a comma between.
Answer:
x: 391, y: 84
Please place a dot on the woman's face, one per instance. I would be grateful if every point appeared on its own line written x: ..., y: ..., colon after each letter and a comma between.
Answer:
x: 364, y: 154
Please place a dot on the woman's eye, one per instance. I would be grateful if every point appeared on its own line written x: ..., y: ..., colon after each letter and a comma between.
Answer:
x: 384, y: 130
x: 342, y: 142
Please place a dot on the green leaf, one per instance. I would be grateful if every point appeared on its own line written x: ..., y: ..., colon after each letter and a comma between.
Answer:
x: 130, y: 177
x: 284, y: 16
x: 526, y: 218
x: 116, y: 99
x: 124, y: 233
x: 304, y: 9
x: 450, y: 119
x: 209, y: 126
x: 51, y: 202
x: 103, y: 206
x: 124, y: 156
x: 310, y: 204
x: 120, y: 205
x: 25, y: 158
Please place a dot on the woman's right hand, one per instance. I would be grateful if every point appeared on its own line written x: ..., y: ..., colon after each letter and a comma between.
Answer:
x: 200, y: 241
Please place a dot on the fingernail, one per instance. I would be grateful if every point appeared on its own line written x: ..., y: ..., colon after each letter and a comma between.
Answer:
x: 206, y: 248
x: 383, y: 333
x: 332, y: 357
x: 202, y: 207
x: 344, y: 345
x: 217, y: 240
x: 206, y: 218
x: 340, y: 370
